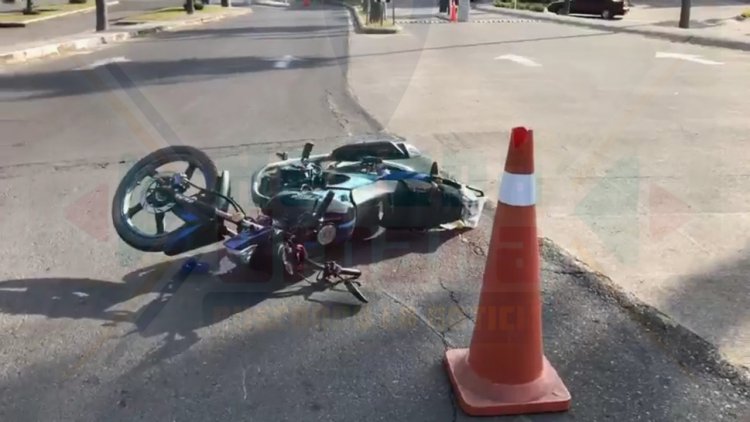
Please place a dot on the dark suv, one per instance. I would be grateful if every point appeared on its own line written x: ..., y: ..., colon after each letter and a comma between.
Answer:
x: 607, y: 9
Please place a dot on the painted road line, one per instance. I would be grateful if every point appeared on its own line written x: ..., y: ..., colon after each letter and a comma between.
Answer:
x: 525, y: 61
x: 104, y: 62
x: 688, y: 57
x: 284, y: 62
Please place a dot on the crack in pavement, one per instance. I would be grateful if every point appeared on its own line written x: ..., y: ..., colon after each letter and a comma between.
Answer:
x: 420, y: 317
x: 443, y: 338
x: 340, y: 119
x: 475, y: 247
x: 454, y: 299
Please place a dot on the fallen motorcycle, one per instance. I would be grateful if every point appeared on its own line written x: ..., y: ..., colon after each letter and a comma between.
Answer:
x: 310, y: 201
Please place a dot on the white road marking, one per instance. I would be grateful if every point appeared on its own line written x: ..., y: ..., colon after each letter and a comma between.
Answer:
x: 104, y: 62
x: 244, y: 385
x: 284, y: 62
x: 519, y: 59
x: 689, y: 57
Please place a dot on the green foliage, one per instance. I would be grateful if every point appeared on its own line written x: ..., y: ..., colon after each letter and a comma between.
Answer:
x: 534, y: 6
x: 196, y: 4
x: 537, y: 7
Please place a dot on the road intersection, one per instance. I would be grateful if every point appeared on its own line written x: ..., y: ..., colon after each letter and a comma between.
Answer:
x: 628, y: 139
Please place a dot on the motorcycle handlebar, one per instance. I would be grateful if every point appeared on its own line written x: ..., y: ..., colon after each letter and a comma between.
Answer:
x: 307, y: 150
x: 213, y: 211
x: 351, y: 272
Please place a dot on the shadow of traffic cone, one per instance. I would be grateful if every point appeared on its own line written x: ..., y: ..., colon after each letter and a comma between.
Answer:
x: 504, y: 370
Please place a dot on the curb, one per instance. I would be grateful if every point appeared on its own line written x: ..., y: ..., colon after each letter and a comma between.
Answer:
x: 55, y: 16
x: 676, y: 35
x: 361, y: 28
x: 83, y: 43
x: 186, y: 22
x: 689, y: 348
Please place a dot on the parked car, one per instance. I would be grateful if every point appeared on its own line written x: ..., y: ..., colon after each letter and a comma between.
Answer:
x: 607, y: 9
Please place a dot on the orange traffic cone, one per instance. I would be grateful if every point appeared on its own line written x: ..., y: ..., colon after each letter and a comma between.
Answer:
x: 453, y: 11
x: 504, y: 370
x: 305, y: 3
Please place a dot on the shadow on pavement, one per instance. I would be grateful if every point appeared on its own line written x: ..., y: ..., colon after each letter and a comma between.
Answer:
x: 656, y: 4
x: 71, y: 298
x: 715, y: 304
x: 224, y: 291
x: 387, y: 245
x: 126, y: 75
x: 381, y: 363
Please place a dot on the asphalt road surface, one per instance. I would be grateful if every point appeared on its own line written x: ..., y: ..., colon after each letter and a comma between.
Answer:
x: 641, y: 147
x: 91, y: 330
x: 277, y: 75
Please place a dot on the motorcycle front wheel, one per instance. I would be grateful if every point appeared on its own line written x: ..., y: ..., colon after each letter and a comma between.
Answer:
x: 140, y: 214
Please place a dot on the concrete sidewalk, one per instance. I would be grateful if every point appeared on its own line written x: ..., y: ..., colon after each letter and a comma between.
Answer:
x: 71, y: 25
x: 76, y: 32
x: 641, y: 159
x: 711, y: 25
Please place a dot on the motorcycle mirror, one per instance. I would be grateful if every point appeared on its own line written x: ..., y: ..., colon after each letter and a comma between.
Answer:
x: 307, y: 150
x: 434, y: 169
x: 282, y: 155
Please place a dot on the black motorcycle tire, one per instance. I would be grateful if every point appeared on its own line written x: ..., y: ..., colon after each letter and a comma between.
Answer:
x: 136, y: 173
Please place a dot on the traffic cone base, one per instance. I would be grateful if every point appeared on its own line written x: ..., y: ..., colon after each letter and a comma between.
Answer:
x: 481, y: 397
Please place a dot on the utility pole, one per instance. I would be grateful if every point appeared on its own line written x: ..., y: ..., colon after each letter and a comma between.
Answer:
x: 190, y: 6
x: 101, y: 15
x: 566, y: 7
x: 685, y: 14
x: 29, y: 9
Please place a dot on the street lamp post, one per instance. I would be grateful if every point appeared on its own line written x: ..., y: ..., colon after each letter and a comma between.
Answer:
x: 101, y: 15
x: 685, y: 14
x: 566, y: 7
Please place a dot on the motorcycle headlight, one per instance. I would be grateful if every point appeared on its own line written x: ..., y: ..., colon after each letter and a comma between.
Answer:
x: 244, y: 255
x: 327, y: 234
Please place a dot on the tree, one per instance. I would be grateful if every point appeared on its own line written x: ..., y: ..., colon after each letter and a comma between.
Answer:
x: 189, y: 6
x: 685, y: 14
x: 101, y: 15
x: 376, y: 12
x: 29, y: 9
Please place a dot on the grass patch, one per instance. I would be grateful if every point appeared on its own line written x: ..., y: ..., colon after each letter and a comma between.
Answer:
x: 175, y: 13
x: 43, y: 11
x: 360, y: 8
x: 522, y: 5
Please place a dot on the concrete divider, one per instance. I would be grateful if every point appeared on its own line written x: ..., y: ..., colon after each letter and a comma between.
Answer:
x: 90, y: 41
x: 672, y: 34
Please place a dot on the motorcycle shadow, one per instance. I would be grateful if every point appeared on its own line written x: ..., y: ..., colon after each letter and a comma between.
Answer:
x: 161, y: 300
x: 392, y: 244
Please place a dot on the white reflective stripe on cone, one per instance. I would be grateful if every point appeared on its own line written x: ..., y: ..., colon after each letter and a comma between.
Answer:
x: 518, y: 189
